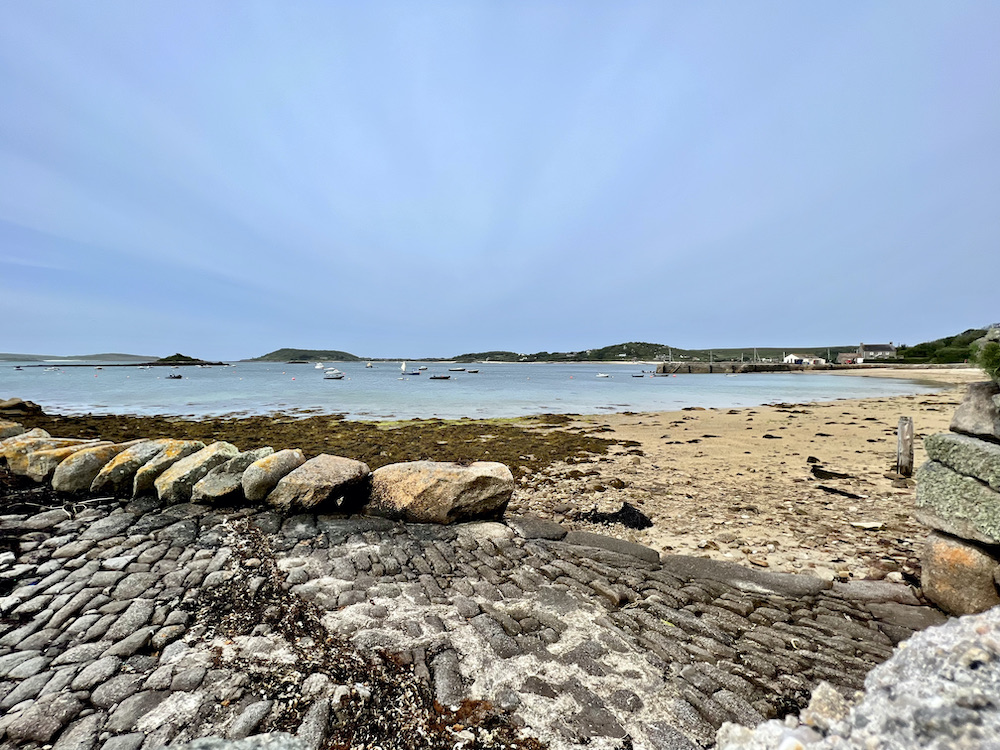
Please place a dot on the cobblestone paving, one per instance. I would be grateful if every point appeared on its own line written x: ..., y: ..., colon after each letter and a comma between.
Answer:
x: 105, y: 641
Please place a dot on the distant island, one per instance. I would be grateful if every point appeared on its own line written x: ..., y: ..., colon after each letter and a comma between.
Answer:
x: 306, y: 355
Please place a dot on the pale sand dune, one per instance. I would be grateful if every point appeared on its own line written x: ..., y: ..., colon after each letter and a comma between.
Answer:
x: 714, y: 485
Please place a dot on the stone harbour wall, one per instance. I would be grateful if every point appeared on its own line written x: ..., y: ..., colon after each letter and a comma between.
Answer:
x: 958, y: 497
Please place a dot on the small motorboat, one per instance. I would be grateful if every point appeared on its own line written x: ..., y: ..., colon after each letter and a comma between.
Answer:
x: 603, y: 375
x: 174, y: 376
x: 319, y: 365
x: 332, y: 373
x: 472, y: 371
x: 456, y: 369
x: 440, y: 377
x: 368, y: 365
x: 422, y: 367
x: 637, y: 376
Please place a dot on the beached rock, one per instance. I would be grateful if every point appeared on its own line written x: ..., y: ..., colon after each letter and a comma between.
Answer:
x: 18, y: 454
x: 10, y: 429
x: 966, y: 455
x: 32, y: 434
x: 175, y: 484
x: 959, y: 576
x: 979, y: 414
x: 41, y: 464
x: 78, y: 471
x: 327, y: 482
x: 441, y: 492
x: 957, y: 504
x: 171, y: 453
x: 263, y: 475
x: 225, y: 481
x: 19, y: 406
x: 118, y: 474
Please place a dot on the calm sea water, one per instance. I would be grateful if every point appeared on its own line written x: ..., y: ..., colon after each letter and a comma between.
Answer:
x: 497, y: 390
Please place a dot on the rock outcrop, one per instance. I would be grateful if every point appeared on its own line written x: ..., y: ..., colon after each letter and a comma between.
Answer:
x: 331, y: 482
x: 42, y: 464
x: 225, y: 481
x: 441, y: 492
x: 263, y: 475
x: 175, y: 484
x: 77, y: 472
x: 118, y: 475
x: 172, y: 452
x: 937, y: 692
x: 979, y: 414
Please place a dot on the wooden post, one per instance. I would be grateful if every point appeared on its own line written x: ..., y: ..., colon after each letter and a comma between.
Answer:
x: 904, y: 447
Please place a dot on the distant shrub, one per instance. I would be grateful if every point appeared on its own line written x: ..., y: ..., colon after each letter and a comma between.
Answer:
x: 987, y: 356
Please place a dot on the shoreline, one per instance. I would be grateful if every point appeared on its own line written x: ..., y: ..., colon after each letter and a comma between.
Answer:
x: 734, y: 484
x: 738, y: 484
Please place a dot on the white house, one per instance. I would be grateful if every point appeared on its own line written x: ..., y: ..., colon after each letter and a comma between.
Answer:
x: 803, y: 359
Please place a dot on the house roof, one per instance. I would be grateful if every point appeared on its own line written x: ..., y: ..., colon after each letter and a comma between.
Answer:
x: 877, y: 348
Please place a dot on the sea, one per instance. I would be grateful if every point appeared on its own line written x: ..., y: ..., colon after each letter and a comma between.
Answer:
x: 386, y: 392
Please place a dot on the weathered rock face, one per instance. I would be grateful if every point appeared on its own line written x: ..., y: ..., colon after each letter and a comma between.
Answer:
x: 10, y: 429
x: 959, y: 576
x: 118, y: 474
x: 33, y: 434
x: 18, y: 454
x: 77, y: 472
x: 966, y: 455
x: 41, y: 464
x: 171, y: 453
x: 326, y: 482
x: 176, y: 483
x: 225, y: 481
x: 263, y: 475
x: 979, y: 413
x: 957, y: 504
x: 937, y: 692
x: 441, y: 492
x: 19, y: 406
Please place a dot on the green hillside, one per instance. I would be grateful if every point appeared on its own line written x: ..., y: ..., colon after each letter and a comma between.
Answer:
x: 309, y: 355
x: 951, y: 349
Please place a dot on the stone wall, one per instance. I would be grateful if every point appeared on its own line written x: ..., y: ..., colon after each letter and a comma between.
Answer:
x: 958, y: 497
x: 178, y: 471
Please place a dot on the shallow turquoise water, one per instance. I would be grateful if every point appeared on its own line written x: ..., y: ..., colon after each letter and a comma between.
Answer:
x: 497, y: 390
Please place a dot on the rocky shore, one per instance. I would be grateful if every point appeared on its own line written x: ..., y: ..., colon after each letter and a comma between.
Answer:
x: 136, y: 622
x: 133, y: 624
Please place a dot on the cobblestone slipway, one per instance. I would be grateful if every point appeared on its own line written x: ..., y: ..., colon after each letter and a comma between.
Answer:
x: 110, y: 634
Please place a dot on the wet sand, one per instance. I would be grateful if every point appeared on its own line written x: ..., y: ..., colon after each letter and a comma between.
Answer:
x: 738, y: 484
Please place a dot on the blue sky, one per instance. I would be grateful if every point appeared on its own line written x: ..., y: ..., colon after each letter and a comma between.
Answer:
x: 425, y: 179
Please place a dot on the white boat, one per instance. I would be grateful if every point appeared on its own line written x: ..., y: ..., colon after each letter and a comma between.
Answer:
x: 456, y: 369
x: 603, y: 375
x: 319, y: 365
x: 422, y: 367
x: 332, y: 373
x: 368, y: 365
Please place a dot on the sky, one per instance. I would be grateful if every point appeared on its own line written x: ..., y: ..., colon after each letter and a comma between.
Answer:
x: 427, y: 179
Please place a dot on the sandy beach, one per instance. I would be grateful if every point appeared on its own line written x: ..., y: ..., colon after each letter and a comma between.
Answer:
x: 738, y: 484
x: 732, y: 484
